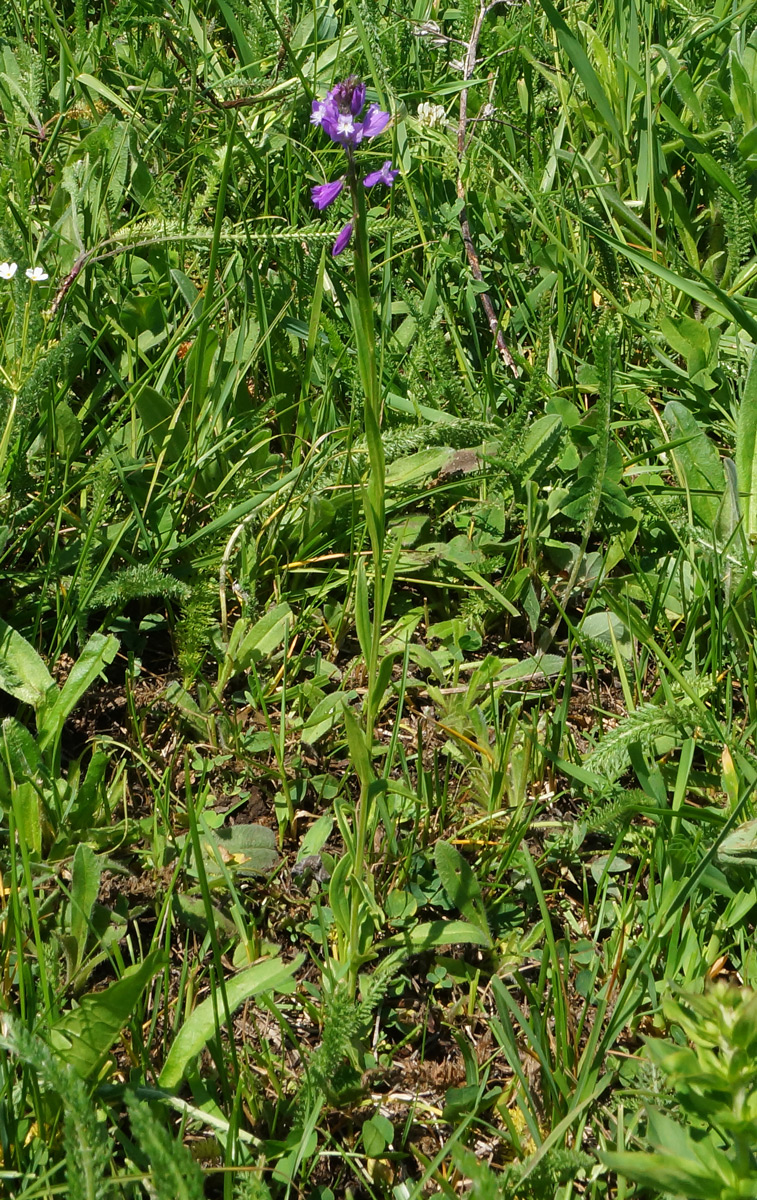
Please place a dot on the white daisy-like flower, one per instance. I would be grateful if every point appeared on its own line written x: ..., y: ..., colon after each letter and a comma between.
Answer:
x: 36, y: 274
x: 8, y: 270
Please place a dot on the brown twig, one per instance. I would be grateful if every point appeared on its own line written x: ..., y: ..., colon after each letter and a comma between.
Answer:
x: 469, y: 67
x: 209, y: 94
x: 62, y: 291
x: 239, y: 102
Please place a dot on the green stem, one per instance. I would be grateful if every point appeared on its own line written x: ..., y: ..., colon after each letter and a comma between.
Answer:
x: 201, y: 368
x: 6, y: 436
x: 363, y: 321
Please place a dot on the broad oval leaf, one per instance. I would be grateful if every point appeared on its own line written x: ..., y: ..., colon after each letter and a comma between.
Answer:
x: 461, y: 886
x: 22, y: 671
x: 698, y: 460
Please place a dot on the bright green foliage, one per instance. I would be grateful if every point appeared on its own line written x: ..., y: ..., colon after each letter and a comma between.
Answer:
x: 174, y: 1175
x: 389, y: 610
x: 345, y: 1020
x: 538, y: 1181
x: 266, y: 976
x: 88, y: 1151
x: 714, y: 1083
x: 172, y: 1172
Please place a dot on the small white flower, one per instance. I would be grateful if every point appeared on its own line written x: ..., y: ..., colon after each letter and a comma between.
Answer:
x: 8, y: 270
x: 36, y: 274
x: 431, y: 115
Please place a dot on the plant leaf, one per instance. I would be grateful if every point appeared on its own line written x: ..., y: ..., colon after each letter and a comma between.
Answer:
x: 430, y: 935
x: 84, y: 1037
x: 85, y: 884
x: 583, y: 67
x: 273, y: 975
x: 698, y: 460
x: 362, y: 611
x: 746, y: 449
x: 266, y: 635
x: 96, y: 655
x: 461, y: 886
x: 22, y: 671
x: 158, y: 416
x: 21, y: 752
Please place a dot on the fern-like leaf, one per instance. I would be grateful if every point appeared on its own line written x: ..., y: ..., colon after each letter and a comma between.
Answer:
x: 174, y: 1173
x: 138, y: 583
x: 645, y: 725
x: 88, y: 1152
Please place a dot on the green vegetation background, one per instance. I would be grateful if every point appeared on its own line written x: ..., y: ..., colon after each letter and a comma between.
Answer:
x: 495, y: 937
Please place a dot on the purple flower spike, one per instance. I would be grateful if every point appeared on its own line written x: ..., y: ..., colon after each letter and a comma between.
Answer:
x: 338, y: 115
x: 343, y: 240
x: 375, y: 121
x: 386, y: 175
x: 324, y: 193
x: 349, y: 96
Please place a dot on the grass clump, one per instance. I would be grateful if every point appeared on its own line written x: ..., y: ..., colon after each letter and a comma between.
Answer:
x: 377, y: 655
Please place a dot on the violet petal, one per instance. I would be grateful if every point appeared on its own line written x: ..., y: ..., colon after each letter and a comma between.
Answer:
x: 343, y: 240
x: 386, y: 175
x: 323, y: 193
x: 329, y: 117
x: 328, y: 125
x: 358, y: 99
x: 375, y: 121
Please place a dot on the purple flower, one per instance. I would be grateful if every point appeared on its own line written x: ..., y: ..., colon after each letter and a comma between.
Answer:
x: 386, y: 175
x: 337, y: 114
x: 324, y: 193
x: 344, y: 129
x: 343, y: 240
x: 375, y: 121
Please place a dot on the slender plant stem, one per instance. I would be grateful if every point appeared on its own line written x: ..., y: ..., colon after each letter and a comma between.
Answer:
x: 469, y: 68
x: 365, y: 335
x: 6, y: 435
x: 199, y: 378
x: 374, y: 493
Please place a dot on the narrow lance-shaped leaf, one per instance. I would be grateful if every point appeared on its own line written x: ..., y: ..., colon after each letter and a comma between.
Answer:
x: 746, y: 449
x: 85, y: 884
x: 588, y: 76
x: 270, y: 976
x: 84, y: 1036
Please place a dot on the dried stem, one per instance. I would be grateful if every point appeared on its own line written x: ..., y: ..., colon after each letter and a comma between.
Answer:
x: 470, y: 248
